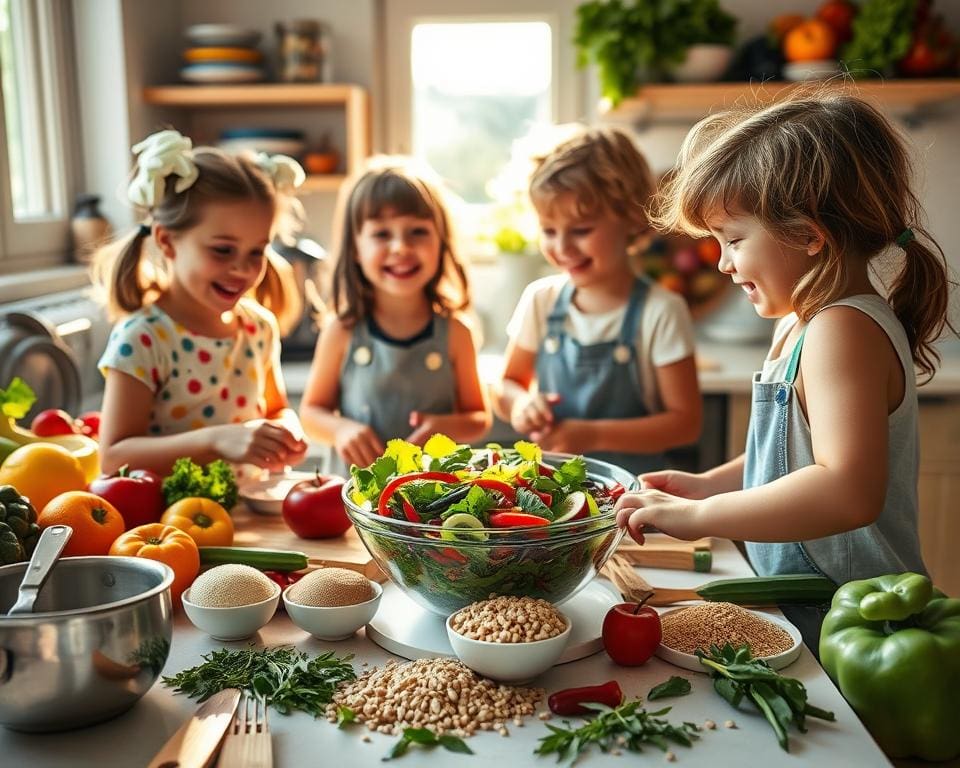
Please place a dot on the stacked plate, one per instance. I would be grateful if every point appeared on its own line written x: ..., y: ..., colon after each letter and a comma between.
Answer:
x: 273, y: 141
x: 222, y: 53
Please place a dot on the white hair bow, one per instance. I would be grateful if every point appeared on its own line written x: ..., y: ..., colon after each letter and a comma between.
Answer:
x: 285, y: 171
x: 159, y: 155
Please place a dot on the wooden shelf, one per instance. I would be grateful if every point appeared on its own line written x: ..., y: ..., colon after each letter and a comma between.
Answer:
x: 692, y: 101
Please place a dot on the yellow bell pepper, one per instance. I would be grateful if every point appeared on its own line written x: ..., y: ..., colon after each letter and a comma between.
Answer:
x: 205, y: 521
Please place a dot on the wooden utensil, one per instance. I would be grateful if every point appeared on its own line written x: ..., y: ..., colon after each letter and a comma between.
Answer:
x: 248, y: 742
x: 195, y: 744
x: 637, y: 589
x: 666, y: 552
x: 369, y: 569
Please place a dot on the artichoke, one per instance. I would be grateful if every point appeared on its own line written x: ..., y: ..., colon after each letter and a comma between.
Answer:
x: 18, y: 526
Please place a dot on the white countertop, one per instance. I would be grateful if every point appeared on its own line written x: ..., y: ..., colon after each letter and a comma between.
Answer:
x: 299, y: 740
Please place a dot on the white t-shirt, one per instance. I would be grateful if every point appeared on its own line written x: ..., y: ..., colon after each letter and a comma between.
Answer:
x: 666, y: 328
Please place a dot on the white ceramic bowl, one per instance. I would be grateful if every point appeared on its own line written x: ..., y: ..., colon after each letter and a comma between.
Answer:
x: 265, y: 497
x: 703, y: 64
x: 818, y: 69
x: 234, y: 623
x: 336, y: 622
x: 508, y: 662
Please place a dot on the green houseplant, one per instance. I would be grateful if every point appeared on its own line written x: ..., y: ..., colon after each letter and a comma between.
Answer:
x: 643, y: 40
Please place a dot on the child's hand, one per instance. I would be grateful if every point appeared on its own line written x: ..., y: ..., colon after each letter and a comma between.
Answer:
x: 565, y: 436
x: 267, y: 444
x: 357, y: 443
x: 671, y: 514
x: 683, y: 484
x: 533, y: 413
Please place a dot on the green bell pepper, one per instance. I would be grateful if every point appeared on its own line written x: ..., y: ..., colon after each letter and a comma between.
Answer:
x: 892, y: 646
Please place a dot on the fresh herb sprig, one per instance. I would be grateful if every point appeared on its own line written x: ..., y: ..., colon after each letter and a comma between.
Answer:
x: 629, y: 723
x: 675, y: 686
x: 284, y: 677
x: 781, y: 700
x: 427, y: 739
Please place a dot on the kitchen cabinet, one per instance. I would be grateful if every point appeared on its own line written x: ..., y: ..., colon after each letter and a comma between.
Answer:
x: 197, y: 101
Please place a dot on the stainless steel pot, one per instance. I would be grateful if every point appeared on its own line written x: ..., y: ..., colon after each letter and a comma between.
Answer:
x: 96, y: 642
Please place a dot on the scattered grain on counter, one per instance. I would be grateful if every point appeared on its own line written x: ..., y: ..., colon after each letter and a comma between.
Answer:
x: 701, y: 626
x: 231, y: 585
x: 441, y: 695
x: 509, y: 620
x: 331, y: 587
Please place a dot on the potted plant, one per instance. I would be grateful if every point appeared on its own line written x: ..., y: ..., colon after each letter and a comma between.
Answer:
x: 646, y: 40
x: 709, y: 32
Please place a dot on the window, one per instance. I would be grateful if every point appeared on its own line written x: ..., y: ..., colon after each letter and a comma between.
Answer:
x: 34, y: 142
x: 477, y: 87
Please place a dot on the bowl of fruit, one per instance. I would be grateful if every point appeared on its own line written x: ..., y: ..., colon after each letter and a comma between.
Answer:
x: 452, y: 525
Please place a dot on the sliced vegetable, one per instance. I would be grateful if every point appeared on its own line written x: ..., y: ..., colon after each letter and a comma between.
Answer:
x: 455, y: 527
x: 443, y: 477
x: 508, y: 491
x: 264, y: 559
x: 572, y: 507
x: 516, y: 520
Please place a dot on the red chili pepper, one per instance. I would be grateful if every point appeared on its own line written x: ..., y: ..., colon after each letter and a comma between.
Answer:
x: 507, y: 491
x: 280, y: 578
x: 516, y: 519
x: 569, y: 701
x: 443, y: 477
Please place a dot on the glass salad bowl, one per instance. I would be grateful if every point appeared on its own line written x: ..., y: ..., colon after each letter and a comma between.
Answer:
x: 445, y: 567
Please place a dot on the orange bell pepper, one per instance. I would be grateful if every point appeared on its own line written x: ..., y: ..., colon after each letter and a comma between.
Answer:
x: 208, y: 524
x: 165, y: 544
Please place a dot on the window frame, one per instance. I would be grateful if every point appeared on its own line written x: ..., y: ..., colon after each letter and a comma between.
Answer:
x: 32, y: 243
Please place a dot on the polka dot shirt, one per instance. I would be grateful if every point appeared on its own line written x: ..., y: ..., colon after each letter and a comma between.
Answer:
x: 197, y: 381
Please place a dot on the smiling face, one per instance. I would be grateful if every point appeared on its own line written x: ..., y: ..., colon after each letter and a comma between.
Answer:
x: 398, y: 254
x: 219, y: 259
x: 591, y: 248
x: 765, y: 269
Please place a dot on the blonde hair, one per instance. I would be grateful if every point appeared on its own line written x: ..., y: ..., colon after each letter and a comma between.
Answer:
x: 407, y: 189
x: 602, y: 169
x: 826, y: 163
x: 130, y: 275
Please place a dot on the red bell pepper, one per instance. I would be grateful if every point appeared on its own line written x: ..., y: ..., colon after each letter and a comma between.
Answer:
x: 443, y: 477
x: 507, y: 491
x: 513, y: 519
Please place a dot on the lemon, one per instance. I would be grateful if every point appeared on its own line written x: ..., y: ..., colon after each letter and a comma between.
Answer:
x: 84, y: 449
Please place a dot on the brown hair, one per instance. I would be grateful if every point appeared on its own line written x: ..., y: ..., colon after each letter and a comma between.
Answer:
x: 819, y: 162
x: 130, y: 275
x: 602, y: 168
x: 398, y: 184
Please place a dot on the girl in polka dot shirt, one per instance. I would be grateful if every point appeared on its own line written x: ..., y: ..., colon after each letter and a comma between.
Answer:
x: 192, y: 366
x: 397, y: 361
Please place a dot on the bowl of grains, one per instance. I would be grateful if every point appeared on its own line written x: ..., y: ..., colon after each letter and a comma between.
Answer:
x: 509, y: 638
x: 332, y: 603
x: 231, y: 602
x: 771, y: 638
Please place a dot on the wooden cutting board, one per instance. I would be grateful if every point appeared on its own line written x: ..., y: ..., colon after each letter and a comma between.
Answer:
x: 662, y: 551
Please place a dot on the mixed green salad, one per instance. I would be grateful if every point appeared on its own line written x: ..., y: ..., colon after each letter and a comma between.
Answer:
x: 491, y: 520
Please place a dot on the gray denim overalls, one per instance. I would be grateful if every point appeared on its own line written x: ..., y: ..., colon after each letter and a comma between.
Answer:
x: 597, y: 381
x: 382, y: 381
x: 779, y: 442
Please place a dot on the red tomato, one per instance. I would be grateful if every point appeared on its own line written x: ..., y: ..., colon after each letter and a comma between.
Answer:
x: 137, y: 495
x: 516, y: 520
x: 89, y: 424
x: 631, y: 633
x: 313, y: 509
x: 838, y: 14
x: 52, y: 422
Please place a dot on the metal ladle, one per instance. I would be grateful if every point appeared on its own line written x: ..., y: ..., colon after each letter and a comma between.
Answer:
x: 45, y: 556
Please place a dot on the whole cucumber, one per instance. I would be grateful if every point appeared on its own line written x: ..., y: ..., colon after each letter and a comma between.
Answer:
x: 789, y: 589
x: 264, y: 559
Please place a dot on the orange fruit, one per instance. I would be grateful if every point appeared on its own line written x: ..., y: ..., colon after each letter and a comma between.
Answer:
x: 41, y: 471
x: 96, y: 522
x: 783, y: 23
x: 811, y: 41
x: 165, y: 544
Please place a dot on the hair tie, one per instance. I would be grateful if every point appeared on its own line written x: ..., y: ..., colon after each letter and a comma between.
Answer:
x: 144, y: 230
x: 159, y: 155
x: 905, y: 237
x: 285, y: 172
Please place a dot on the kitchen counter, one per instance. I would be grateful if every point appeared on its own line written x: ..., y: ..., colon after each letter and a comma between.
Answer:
x: 298, y: 740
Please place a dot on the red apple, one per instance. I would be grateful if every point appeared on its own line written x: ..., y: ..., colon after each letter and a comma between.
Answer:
x: 138, y: 495
x: 89, y: 424
x: 631, y: 633
x: 313, y: 509
x: 52, y: 422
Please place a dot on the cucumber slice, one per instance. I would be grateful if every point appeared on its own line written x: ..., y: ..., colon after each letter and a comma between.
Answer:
x: 459, y: 526
x: 572, y: 507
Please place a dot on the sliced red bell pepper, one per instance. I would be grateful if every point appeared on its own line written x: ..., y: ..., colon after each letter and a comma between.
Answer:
x: 409, y: 511
x: 443, y: 477
x: 516, y: 520
x: 616, y: 491
x: 445, y: 556
x: 505, y: 489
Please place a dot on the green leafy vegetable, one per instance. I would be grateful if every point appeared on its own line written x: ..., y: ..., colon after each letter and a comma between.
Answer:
x: 17, y: 399
x: 529, y: 502
x: 675, y: 686
x: 477, y: 502
x: 284, y: 677
x: 572, y: 474
x: 781, y: 700
x: 427, y: 739
x: 882, y: 35
x: 629, y: 725
x: 187, y: 480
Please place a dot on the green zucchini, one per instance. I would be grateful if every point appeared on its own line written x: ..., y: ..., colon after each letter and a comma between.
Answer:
x: 790, y: 589
x: 264, y: 559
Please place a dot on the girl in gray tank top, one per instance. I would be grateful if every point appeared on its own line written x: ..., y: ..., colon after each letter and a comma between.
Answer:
x: 808, y: 198
x: 397, y: 361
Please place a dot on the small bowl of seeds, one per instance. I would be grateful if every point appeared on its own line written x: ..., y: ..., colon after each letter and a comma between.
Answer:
x: 509, y: 639
x: 332, y: 603
x: 231, y: 602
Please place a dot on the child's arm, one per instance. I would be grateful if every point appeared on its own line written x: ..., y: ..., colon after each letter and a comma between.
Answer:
x: 125, y: 420
x: 526, y: 411
x: 355, y: 442
x: 472, y: 419
x: 848, y: 371
x: 278, y: 410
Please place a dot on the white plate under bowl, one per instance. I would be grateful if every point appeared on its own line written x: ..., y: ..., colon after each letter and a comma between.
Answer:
x: 266, y: 497
x: 819, y: 69
x: 778, y: 661
x: 221, y: 73
x: 270, y: 145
